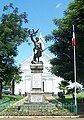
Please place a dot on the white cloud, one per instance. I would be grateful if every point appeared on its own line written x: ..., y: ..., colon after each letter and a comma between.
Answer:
x: 58, y: 5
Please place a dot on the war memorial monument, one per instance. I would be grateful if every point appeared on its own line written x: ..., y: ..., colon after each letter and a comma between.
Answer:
x: 36, y: 94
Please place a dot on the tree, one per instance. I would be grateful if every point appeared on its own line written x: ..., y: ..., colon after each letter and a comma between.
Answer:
x: 16, y: 77
x: 13, y: 76
x: 63, y: 86
x: 62, y: 64
x: 12, y: 34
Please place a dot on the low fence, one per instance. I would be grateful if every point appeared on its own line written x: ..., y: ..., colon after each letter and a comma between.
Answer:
x: 4, y: 104
x: 29, y: 110
x: 61, y: 107
x: 36, y: 109
x: 69, y: 105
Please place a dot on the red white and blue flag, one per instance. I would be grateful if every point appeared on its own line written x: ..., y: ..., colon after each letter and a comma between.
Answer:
x: 73, y: 39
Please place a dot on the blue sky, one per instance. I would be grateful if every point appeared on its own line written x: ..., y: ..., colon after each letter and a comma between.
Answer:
x: 40, y: 15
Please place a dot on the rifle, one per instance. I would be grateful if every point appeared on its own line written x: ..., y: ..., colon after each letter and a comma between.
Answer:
x: 45, y: 48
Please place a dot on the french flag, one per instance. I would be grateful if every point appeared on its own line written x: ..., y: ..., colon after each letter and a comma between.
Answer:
x: 73, y: 39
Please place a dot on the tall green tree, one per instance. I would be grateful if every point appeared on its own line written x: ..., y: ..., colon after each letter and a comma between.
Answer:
x: 62, y: 63
x: 12, y: 34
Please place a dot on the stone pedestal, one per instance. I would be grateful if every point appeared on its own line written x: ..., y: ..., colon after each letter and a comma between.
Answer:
x: 36, y: 94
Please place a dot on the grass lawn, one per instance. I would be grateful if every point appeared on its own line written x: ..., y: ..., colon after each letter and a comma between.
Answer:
x: 13, y: 98
x: 78, y: 95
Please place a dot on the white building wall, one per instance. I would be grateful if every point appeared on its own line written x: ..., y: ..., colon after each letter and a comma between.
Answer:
x: 50, y: 81
x: 50, y: 84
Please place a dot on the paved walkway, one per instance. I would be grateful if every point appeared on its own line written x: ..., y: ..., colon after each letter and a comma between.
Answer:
x: 40, y: 118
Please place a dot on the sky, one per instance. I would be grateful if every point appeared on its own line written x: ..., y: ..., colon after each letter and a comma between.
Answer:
x: 40, y: 15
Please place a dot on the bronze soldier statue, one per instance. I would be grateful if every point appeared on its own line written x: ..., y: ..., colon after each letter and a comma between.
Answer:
x: 37, y: 46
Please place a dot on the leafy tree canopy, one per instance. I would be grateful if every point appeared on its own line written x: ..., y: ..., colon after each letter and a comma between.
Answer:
x: 12, y: 34
x: 62, y: 63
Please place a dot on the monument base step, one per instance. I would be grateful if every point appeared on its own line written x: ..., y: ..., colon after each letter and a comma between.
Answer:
x: 36, y: 97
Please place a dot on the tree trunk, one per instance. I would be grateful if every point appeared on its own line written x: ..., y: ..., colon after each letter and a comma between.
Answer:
x: 0, y: 89
x: 13, y: 86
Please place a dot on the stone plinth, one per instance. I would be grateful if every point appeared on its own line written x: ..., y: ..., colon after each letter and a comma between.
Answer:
x: 36, y: 68
x: 36, y: 94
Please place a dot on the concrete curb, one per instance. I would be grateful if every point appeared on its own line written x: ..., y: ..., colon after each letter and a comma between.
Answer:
x: 39, y: 116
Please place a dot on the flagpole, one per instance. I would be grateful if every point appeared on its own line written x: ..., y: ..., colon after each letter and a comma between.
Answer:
x: 75, y: 72
x: 74, y: 62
